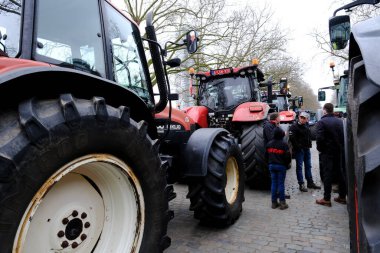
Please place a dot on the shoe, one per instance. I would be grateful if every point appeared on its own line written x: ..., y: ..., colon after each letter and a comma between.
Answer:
x: 283, y: 205
x: 313, y: 186
x: 275, y: 205
x: 303, y: 188
x: 287, y: 196
x: 323, y: 202
x: 340, y: 200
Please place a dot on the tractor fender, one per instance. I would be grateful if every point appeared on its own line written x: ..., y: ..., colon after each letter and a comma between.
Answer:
x: 49, y: 82
x: 198, y: 114
x: 178, y: 117
x: 365, y: 39
x: 197, y: 151
x: 251, y: 111
x: 287, y: 116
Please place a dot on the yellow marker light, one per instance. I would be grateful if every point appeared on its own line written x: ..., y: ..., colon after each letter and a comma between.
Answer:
x: 191, y: 71
x: 255, y: 62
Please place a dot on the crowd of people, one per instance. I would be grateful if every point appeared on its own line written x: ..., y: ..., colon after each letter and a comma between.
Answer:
x: 330, y: 142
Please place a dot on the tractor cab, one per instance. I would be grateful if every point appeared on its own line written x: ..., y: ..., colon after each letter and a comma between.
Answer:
x: 225, y: 89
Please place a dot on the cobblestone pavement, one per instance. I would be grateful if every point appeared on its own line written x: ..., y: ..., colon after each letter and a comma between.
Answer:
x: 303, y: 227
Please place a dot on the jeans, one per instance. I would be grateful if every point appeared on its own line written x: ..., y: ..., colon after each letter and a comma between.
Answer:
x: 278, y: 174
x: 303, y: 157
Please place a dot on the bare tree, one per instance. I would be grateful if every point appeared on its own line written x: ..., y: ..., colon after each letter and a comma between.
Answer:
x: 11, y: 6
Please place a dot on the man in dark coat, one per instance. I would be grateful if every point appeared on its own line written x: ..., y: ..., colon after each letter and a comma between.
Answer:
x: 274, y: 121
x: 330, y: 143
x: 300, y: 138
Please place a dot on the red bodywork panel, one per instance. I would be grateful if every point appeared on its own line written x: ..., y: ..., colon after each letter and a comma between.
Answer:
x: 177, y: 116
x: 9, y: 64
x: 251, y: 111
x: 287, y: 116
x: 198, y: 114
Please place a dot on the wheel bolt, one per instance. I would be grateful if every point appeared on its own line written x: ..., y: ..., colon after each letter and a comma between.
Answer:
x: 83, y: 237
x: 87, y: 225
x: 65, y: 221
x: 74, y: 213
x: 64, y: 244
x: 84, y: 215
x: 74, y: 245
x: 61, y: 234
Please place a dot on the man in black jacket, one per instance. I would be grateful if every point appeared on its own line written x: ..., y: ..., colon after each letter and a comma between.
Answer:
x: 300, y: 138
x: 274, y: 121
x: 330, y: 142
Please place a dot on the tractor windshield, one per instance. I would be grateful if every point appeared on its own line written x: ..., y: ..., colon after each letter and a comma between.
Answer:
x: 281, y: 103
x: 70, y: 34
x: 224, y: 93
x: 10, y: 22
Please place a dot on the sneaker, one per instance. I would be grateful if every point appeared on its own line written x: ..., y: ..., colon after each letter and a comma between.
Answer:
x: 313, y: 186
x: 340, y: 200
x: 275, y: 205
x: 303, y: 188
x: 323, y: 202
x: 283, y: 205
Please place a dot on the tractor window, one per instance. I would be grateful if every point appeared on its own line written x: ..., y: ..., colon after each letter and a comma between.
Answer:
x: 10, y: 22
x: 69, y: 35
x: 127, y: 64
x: 225, y: 93
x: 281, y: 103
x: 342, y: 96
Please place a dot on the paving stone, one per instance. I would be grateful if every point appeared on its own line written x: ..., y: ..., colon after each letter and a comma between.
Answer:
x: 304, y: 227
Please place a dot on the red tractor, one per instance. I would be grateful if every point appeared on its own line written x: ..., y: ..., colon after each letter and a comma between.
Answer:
x: 230, y: 98
x: 82, y: 165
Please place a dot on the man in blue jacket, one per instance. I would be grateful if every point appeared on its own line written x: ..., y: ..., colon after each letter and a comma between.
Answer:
x: 330, y: 143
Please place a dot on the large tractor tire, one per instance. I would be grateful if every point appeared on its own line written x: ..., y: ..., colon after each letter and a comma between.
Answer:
x: 256, y: 166
x: 217, y: 198
x: 79, y: 176
x: 362, y: 160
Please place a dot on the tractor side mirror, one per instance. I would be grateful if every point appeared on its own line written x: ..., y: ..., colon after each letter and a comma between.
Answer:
x: 321, y: 95
x: 300, y: 101
x: 191, y: 42
x: 340, y: 30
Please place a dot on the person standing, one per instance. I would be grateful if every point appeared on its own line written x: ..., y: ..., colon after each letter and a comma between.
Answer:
x: 279, y: 157
x: 300, y: 138
x: 330, y: 142
x: 274, y: 121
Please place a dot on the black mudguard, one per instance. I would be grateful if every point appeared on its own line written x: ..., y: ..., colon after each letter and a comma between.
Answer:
x: 197, y: 151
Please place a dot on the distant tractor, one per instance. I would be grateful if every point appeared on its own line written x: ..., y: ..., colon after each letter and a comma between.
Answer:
x: 230, y: 98
x: 340, y: 87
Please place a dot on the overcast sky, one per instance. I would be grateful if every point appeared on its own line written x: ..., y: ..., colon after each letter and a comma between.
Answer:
x: 301, y: 17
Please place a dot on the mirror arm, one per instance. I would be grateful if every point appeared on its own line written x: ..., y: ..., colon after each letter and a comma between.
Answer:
x: 356, y: 3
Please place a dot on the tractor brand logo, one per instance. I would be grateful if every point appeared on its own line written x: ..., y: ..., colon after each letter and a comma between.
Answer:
x: 174, y: 127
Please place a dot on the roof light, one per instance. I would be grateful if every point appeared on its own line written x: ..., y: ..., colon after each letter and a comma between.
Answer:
x: 255, y: 62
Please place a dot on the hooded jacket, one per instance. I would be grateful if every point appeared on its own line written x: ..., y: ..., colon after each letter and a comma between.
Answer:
x: 277, y: 149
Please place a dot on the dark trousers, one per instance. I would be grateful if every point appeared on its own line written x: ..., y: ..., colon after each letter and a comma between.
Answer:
x: 278, y: 174
x: 329, y: 165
